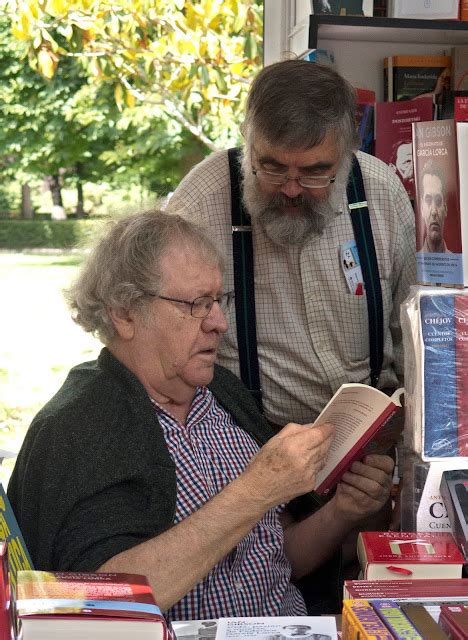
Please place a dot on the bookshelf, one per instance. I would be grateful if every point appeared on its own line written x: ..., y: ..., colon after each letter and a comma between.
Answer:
x: 360, y: 44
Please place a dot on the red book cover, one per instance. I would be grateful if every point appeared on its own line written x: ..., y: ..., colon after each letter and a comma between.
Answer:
x: 454, y: 620
x: 393, y: 135
x: 385, y: 555
x: 74, y: 601
x: 420, y: 590
x: 463, y: 9
x: 460, y: 109
x: 461, y: 371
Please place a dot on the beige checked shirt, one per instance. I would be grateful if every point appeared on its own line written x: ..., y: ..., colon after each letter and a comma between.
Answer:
x: 312, y: 332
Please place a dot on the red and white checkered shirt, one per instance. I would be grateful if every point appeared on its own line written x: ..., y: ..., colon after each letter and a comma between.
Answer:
x: 210, y: 451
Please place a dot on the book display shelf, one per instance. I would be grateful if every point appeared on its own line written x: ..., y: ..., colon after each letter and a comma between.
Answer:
x: 360, y: 44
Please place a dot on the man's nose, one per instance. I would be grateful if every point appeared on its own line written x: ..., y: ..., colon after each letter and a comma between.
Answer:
x: 292, y: 188
x: 216, y: 320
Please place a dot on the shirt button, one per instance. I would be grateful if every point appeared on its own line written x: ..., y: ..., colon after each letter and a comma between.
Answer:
x: 238, y: 585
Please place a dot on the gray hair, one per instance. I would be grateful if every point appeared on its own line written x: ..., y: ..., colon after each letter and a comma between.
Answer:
x: 433, y: 168
x: 295, y: 103
x: 125, y: 266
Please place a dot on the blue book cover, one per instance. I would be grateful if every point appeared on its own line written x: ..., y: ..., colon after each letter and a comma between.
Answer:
x: 18, y: 555
x: 440, y: 432
x: 396, y: 621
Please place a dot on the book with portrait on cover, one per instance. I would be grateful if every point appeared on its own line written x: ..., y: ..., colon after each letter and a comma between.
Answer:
x: 362, y: 416
x: 440, y: 241
x: 277, y: 628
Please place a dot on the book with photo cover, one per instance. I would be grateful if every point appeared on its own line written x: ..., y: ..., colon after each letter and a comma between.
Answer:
x: 95, y: 606
x: 386, y: 555
x: 362, y: 416
x: 277, y: 628
x: 440, y: 236
x: 394, y: 138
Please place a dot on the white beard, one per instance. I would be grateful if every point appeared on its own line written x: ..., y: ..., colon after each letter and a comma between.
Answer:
x: 313, y: 216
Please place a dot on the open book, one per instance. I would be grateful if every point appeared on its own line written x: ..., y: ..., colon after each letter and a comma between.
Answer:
x: 361, y: 415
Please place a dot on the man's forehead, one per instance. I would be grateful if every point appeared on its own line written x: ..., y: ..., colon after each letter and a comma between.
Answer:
x: 327, y: 150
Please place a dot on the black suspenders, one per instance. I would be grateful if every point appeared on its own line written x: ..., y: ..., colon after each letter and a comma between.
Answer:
x: 370, y: 269
x: 244, y: 275
x: 244, y: 283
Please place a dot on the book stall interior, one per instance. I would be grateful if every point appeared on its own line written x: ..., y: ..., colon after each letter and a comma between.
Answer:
x: 412, y: 113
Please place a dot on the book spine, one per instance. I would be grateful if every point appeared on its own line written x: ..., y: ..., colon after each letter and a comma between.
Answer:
x: 439, y: 392
x: 361, y: 618
x: 395, y: 619
x: 423, y: 621
x: 461, y: 368
x: 463, y: 9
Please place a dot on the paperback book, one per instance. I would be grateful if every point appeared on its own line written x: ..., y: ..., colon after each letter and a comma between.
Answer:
x: 385, y: 555
x: 423, y: 621
x: 454, y: 620
x: 18, y: 555
x: 360, y: 620
x: 394, y: 138
x: 96, y: 606
x: 362, y: 418
x: 439, y: 237
x: 277, y: 628
x: 395, y: 620
x: 444, y: 338
x: 424, y: 9
x: 409, y: 76
x: 432, y: 591
x: 454, y: 491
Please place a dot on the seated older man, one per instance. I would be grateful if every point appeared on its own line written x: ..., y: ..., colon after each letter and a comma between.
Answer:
x: 154, y: 460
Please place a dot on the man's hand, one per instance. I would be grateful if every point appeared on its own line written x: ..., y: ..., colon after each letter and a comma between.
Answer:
x: 364, y: 489
x: 287, y: 465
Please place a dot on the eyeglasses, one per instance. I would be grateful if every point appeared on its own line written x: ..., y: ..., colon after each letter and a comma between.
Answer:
x: 308, y: 182
x: 201, y: 307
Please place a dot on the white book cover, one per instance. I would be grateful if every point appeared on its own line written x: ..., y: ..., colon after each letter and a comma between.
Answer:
x: 278, y: 628
x: 424, y: 9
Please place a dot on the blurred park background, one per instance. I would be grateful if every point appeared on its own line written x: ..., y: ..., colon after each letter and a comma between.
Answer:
x: 104, y: 108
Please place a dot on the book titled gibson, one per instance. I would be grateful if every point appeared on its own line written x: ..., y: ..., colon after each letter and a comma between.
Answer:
x: 439, y: 256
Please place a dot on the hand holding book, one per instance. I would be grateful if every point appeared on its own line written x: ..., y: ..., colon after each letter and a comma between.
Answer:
x: 361, y: 415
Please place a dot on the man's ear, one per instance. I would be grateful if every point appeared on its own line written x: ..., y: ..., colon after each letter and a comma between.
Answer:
x: 123, y: 321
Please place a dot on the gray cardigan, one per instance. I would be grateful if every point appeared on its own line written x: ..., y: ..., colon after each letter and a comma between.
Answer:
x: 94, y: 476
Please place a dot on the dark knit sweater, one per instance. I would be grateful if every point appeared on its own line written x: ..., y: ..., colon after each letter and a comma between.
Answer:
x: 94, y: 476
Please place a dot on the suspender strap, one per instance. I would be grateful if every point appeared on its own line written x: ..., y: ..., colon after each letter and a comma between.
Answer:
x: 370, y: 269
x: 244, y: 283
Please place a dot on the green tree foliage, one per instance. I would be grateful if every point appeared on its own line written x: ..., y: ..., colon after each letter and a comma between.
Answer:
x: 188, y: 61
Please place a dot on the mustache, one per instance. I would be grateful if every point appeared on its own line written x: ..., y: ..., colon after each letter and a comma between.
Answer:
x: 301, y: 200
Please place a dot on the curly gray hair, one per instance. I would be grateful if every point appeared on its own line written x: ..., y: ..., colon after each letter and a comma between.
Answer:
x: 124, y: 267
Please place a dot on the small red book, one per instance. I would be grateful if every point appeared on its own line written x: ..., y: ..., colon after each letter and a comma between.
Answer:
x: 390, y: 555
